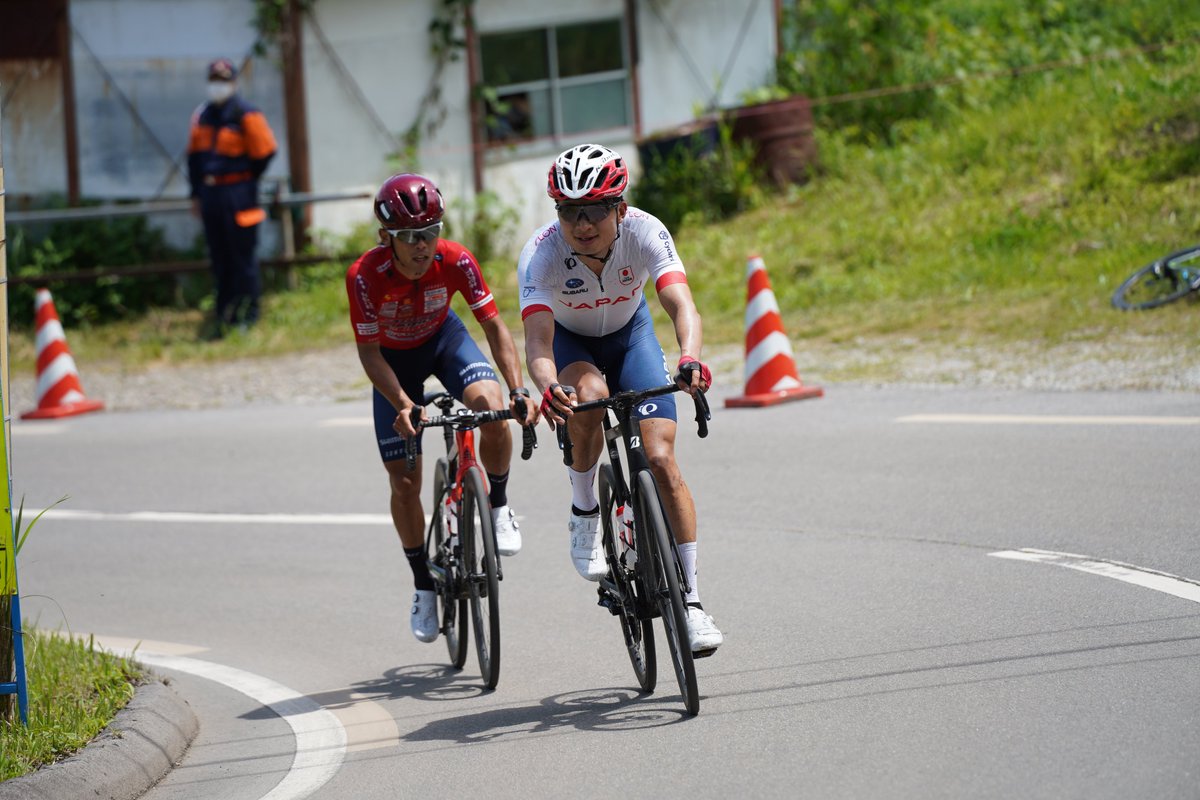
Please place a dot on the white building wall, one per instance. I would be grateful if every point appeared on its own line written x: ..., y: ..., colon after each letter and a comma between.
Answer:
x: 701, y: 55
x: 34, y: 142
x: 154, y: 52
x: 367, y: 66
x: 367, y: 63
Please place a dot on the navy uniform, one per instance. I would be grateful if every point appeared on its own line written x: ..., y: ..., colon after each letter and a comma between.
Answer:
x: 228, y: 151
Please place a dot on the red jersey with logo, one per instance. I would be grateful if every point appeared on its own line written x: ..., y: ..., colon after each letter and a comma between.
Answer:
x: 401, y: 313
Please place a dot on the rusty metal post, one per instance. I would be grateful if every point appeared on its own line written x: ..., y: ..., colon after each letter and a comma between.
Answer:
x: 70, y: 119
x: 296, y: 111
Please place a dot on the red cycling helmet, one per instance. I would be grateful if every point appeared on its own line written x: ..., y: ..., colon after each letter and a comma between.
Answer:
x: 587, y: 172
x: 408, y: 201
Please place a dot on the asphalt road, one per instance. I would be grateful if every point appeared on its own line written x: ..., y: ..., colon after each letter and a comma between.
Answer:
x: 875, y: 644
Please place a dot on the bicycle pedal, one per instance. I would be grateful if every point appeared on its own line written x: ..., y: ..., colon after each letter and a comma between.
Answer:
x: 703, y: 653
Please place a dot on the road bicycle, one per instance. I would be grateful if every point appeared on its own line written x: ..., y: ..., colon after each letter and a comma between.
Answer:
x: 645, y: 578
x: 1160, y: 282
x: 460, y: 544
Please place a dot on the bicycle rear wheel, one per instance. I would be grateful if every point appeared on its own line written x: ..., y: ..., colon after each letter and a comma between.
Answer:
x: 482, y: 573
x: 452, y: 603
x: 662, y: 574
x: 638, y: 633
x: 1160, y: 282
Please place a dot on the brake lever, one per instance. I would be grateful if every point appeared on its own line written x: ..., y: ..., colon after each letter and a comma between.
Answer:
x: 529, y: 440
x: 703, y: 414
x: 410, y: 443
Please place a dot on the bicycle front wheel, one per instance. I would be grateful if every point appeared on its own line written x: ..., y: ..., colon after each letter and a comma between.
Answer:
x: 1163, y: 281
x: 452, y: 603
x: 482, y: 573
x: 663, y: 577
x: 639, y: 633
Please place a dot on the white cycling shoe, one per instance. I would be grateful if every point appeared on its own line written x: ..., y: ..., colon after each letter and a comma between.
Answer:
x: 703, y: 635
x: 508, y: 533
x: 424, y: 615
x: 586, y: 549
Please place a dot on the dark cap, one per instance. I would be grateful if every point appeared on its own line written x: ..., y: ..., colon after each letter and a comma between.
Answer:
x: 222, y: 70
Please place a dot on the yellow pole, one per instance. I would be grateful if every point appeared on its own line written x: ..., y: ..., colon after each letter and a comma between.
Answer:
x: 8, y: 576
x: 12, y: 672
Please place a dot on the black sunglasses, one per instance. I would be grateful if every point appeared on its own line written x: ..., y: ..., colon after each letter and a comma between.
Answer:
x: 413, y: 235
x: 593, y: 212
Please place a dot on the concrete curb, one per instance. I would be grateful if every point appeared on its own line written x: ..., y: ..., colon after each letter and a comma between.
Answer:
x: 142, y: 743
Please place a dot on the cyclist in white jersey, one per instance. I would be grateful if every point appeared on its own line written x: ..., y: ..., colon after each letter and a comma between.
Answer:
x: 587, y: 326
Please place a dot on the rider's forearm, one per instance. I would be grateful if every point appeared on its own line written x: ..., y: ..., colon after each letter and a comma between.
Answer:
x: 380, y: 373
x: 543, y: 372
x: 677, y: 302
x: 504, y: 353
x: 539, y: 351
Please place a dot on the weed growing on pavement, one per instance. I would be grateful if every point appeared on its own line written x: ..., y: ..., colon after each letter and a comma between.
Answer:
x: 74, y: 691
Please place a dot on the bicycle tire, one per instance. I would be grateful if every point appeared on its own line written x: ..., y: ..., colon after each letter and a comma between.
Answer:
x: 1160, y: 282
x: 482, y: 572
x: 638, y: 633
x: 452, y: 603
x: 664, y: 574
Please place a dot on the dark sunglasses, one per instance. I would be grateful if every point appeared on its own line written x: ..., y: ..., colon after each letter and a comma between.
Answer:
x: 593, y: 213
x: 413, y: 235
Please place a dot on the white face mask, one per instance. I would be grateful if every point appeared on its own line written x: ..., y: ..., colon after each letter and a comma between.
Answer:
x: 220, y: 91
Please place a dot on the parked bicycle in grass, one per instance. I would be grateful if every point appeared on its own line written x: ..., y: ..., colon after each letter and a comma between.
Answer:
x: 645, y: 578
x: 1162, y: 281
x: 460, y: 545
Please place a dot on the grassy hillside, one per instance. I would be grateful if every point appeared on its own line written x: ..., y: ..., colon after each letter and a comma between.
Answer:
x: 1010, y: 220
x: 1013, y: 221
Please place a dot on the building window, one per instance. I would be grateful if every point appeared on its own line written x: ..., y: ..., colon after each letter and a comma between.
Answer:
x: 550, y: 83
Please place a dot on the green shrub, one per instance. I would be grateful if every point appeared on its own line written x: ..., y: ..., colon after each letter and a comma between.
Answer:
x: 698, y: 181
x: 960, y: 51
x: 82, y: 245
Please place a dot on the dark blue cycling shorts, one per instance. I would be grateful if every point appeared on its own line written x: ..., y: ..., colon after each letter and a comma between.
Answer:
x: 631, y: 359
x: 451, y: 355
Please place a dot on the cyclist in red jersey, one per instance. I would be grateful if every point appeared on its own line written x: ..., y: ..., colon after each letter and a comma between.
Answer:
x: 406, y: 332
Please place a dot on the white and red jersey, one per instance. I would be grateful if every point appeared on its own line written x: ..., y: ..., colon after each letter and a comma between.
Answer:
x: 401, y: 313
x: 552, y: 278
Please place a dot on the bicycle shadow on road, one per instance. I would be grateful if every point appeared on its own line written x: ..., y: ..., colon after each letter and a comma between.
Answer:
x: 591, y: 710
x: 436, y: 682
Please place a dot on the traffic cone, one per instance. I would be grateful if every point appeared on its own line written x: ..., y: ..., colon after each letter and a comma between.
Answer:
x: 770, y: 369
x: 59, y: 393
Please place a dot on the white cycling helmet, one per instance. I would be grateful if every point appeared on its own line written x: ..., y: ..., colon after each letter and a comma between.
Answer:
x: 587, y: 172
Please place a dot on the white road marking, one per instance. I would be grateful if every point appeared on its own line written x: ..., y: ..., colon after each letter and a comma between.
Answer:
x: 1139, y: 576
x: 216, y: 517
x: 320, y: 737
x: 1046, y: 419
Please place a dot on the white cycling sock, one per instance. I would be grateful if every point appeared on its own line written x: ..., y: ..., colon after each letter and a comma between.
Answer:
x: 583, y: 488
x: 687, y: 553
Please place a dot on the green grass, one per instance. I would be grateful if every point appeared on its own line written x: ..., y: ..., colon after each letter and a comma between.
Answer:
x: 74, y: 692
x: 1011, y: 222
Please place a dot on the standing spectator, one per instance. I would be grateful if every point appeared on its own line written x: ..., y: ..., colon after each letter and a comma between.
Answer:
x: 229, y: 149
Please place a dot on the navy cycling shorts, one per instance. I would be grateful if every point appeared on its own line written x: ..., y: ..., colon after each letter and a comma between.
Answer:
x: 631, y: 359
x: 451, y: 356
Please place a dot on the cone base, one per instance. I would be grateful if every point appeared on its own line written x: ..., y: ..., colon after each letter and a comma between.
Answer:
x: 65, y: 410
x: 772, y: 398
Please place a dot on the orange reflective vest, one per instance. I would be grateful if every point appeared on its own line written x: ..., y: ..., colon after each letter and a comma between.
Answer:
x: 230, y: 143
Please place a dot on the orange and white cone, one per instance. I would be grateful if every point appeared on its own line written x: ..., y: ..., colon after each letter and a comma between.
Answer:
x: 59, y: 393
x: 770, y: 368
